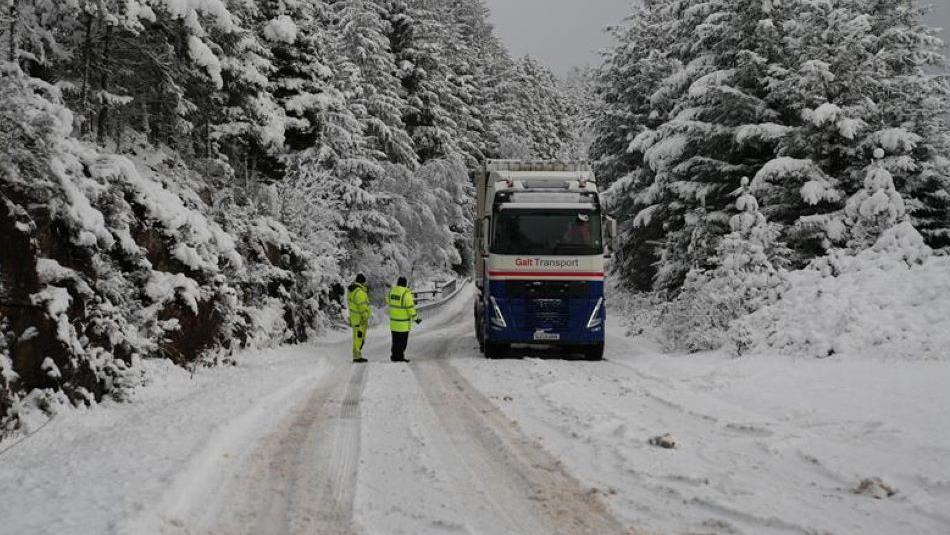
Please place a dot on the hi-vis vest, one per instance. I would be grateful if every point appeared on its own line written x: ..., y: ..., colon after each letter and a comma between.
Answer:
x: 357, y: 300
x: 402, y: 309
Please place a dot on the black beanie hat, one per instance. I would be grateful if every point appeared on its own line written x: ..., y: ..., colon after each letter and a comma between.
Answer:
x: 361, y: 278
x: 402, y: 282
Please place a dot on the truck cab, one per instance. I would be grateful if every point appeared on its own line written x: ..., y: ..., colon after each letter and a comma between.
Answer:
x: 543, y: 241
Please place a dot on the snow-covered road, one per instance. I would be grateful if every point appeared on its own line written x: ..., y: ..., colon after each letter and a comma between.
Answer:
x: 298, y: 440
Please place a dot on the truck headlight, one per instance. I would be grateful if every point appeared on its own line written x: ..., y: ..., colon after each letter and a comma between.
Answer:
x: 497, y: 317
x: 595, y: 319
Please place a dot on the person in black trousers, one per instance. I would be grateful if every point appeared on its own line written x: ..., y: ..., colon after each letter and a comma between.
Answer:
x: 402, y: 314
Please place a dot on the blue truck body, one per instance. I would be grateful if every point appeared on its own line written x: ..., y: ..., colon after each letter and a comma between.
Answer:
x: 547, y: 310
x: 540, y: 271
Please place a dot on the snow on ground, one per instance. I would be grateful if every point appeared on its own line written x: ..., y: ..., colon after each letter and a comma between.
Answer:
x: 89, y: 470
x: 438, y: 457
x: 764, y: 445
x: 404, y: 484
x: 297, y: 440
x: 889, y: 302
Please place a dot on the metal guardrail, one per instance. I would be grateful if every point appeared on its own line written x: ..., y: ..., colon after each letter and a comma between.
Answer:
x: 439, y: 292
x: 450, y: 290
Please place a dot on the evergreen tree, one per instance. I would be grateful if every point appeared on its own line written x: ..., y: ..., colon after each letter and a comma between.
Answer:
x: 540, y: 108
x: 368, y: 78
x: 915, y: 97
x: 303, y: 104
x: 414, y: 41
x: 747, y: 275
x: 323, y: 136
x: 624, y: 85
x: 433, y: 206
x: 797, y: 93
x: 875, y: 208
x: 577, y: 91
x: 464, y: 29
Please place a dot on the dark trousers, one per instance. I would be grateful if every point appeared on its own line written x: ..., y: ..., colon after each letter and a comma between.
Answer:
x: 400, y: 341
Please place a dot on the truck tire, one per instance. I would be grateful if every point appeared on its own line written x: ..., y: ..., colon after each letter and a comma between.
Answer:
x: 496, y: 351
x: 594, y: 353
x: 480, y: 334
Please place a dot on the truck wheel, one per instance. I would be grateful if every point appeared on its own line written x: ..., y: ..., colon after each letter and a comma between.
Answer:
x: 495, y: 351
x: 594, y: 353
x: 479, y: 330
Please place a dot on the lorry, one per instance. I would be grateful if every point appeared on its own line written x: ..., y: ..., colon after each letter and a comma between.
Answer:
x: 542, y: 242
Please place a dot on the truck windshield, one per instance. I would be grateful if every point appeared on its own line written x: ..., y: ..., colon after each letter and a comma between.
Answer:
x: 547, y: 232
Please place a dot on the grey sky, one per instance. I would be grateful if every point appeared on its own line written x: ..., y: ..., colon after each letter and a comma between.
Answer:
x: 561, y: 33
x: 564, y: 33
x: 941, y: 17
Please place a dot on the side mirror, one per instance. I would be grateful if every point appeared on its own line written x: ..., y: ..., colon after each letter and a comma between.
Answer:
x: 486, y: 233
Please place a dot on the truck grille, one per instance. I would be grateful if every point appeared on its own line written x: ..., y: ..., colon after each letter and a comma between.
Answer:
x: 548, y: 314
x: 547, y: 289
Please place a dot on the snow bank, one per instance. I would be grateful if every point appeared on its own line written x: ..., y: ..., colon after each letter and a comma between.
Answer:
x: 891, y: 301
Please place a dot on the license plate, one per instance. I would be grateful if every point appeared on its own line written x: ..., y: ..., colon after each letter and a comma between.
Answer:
x: 542, y: 336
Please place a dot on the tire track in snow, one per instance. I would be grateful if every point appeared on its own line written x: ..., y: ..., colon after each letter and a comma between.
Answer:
x: 300, y: 478
x: 189, y: 503
x: 529, y: 487
x: 343, y: 462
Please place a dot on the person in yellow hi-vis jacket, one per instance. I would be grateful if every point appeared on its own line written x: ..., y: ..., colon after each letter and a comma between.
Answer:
x: 357, y: 300
x: 402, y: 314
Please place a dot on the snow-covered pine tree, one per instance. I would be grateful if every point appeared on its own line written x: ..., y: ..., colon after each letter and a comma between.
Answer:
x: 540, y: 108
x: 447, y: 36
x: 915, y: 96
x: 117, y: 62
x: 302, y: 85
x: 242, y: 125
x: 507, y: 135
x: 875, y: 208
x: 822, y: 85
x: 526, y: 112
x: 796, y: 93
x: 577, y: 90
x: 367, y: 71
x: 414, y: 33
x: 691, y: 158
x: 464, y: 29
x: 433, y: 205
x: 624, y: 84
x: 331, y: 160
x: 872, y: 85
x: 302, y: 78
x: 747, y: 275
